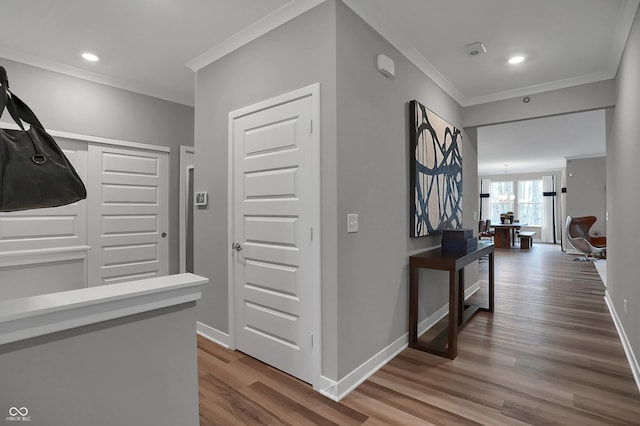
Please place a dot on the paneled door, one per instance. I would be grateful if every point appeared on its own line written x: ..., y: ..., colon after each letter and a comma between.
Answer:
x: 128, y: 211
x: 276, y: 242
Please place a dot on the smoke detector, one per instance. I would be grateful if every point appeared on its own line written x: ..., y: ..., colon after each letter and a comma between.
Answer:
x: 475, y: 49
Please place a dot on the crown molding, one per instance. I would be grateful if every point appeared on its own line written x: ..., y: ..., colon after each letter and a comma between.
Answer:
x: 49, y: 65
x: 623, y: 28
x: 538, y: 88
x: 379, y: 23
x: 259, y: 28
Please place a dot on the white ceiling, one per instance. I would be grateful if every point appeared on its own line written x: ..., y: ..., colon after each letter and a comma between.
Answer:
x: 145, y: 45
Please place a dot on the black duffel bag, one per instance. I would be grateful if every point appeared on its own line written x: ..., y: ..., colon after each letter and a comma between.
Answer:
x: 34, y: 172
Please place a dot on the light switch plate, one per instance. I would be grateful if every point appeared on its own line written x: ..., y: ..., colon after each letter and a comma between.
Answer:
x: 352, y: 223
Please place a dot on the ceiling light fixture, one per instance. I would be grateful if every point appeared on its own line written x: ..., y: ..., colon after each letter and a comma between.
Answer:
x: 90, y: 57
x: 516, y: 59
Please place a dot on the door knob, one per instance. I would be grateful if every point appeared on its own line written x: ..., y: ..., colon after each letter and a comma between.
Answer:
x: 236, y: 246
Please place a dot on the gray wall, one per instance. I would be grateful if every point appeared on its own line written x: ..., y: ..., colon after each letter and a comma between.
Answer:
x: 295, y: 55
x: 364, y: 170
x: 572, y: 99
x: 136, y: 370
x: 373, y: 181
x: 623, y: 153
x: 586, y: 190
x: 70, y: 104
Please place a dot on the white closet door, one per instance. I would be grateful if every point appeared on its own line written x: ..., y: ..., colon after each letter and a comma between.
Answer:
x: 128, y: 198
x: 49, y: 229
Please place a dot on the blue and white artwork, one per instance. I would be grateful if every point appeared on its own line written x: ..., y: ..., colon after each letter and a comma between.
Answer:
x: 436, y: 173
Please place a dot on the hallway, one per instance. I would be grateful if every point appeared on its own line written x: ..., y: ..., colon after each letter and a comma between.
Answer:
x: 549, y: 354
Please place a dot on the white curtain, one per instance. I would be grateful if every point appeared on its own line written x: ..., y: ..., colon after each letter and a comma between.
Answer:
x: 485, y: 200
x: 549, y: 205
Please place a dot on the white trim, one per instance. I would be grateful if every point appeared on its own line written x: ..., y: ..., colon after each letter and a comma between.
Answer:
x: 471, y: 290
x: 41, y: 252
x: 433, y: 319
x: 628, y: 349
x: 381, y: 24
x: 259, y: 28
x: 231, y: 288
x: 34, y: 316
x: 623, y: 28
x: 312, y: 91
x: 185, y: 167
x: 215, y: 335
x: 538, y: 88
x: 156, y: 92
x: 95, y: 139
x: 336, y: 390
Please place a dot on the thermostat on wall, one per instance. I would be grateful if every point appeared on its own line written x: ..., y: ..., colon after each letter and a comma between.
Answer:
x: 201, y: 198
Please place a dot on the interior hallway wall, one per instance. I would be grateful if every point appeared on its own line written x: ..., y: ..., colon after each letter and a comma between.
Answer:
x: 365, y: 170
x: 623, y: 152
x: 294, y: 55
x: 586, y: 190
x: 373, y: 181
x: 74, y: 105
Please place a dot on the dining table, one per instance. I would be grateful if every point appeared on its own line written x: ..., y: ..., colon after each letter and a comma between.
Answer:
x: 505, y: 234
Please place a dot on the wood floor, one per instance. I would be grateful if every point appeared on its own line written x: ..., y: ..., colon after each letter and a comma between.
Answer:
x: 548, y: 355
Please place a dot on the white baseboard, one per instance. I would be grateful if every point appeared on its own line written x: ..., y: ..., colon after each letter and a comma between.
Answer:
x: 628, y: 350
x: 471, y: 290
x: 433, y: 319
x: 338, y: 390
x: 216, y: 336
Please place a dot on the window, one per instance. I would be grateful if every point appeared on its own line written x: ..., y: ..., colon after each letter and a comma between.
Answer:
x: 530, y: 202
x: 525, y: 203
x: 502, y: 198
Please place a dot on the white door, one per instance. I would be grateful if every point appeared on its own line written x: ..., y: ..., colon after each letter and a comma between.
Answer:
x: 128, y: 211
x: 276, y: 232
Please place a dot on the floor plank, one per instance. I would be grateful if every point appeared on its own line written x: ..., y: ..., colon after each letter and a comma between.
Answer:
x: 550, y: 354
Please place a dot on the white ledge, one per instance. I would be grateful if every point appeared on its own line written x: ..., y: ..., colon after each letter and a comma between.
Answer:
x: 34, y: 316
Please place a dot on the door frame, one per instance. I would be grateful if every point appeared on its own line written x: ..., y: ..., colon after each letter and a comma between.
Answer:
x: 187, y: 154
x: 312, y: 91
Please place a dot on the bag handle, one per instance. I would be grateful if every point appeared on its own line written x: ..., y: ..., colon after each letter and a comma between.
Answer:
x: 4, y: 87
x: 20, y: 112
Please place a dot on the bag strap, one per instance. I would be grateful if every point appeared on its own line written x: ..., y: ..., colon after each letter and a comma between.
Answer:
x: 16, y: 107
x: 4, y: 83
x: 20, y: 112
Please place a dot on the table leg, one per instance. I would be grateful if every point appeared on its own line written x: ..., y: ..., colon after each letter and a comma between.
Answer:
x: 453, y: 315
x: 413, y: 305
x: 460, y: 296
x: 502, y: 238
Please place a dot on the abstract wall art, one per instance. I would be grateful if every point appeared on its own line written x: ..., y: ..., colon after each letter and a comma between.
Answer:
x: 436, y: 172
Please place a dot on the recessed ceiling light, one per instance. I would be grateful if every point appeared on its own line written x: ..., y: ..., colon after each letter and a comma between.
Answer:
x: 516, y: 59
x: 90, y: 57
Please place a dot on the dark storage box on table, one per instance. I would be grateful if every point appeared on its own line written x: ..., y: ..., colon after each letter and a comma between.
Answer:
x: 457, y: 234
x: 459, y: 240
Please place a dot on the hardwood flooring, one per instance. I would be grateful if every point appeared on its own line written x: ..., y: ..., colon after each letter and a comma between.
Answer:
x: 549, y: 354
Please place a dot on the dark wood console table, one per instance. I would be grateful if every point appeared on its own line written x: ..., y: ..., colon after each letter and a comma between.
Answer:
x: 459, y: 314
